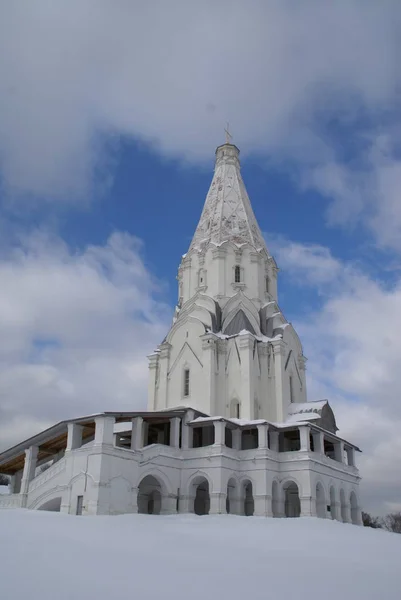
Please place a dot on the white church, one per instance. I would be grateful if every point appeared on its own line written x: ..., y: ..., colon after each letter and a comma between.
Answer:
x: 228, y: 427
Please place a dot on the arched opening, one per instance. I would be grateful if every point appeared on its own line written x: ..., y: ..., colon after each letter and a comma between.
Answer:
x: 202, y: 498
x: 249, y: 503
x: 231, y: 497
x: 276, y: 500
x: 292, y: 505
x: 343, y: 505
x: 354, y: 509
x: 150, y: 496
x: 237, y: 274
x: 333, y: 507
x: 320, y: 501
x: 52, y: 505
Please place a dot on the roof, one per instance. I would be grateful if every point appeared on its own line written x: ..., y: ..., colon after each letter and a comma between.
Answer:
x: 54, y: 439
x: 227, y: 213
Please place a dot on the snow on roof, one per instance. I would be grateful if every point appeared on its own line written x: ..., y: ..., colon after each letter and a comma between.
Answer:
x: 307, y: 407
x: 307, y: 416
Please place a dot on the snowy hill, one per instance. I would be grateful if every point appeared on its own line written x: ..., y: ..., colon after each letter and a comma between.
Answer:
x: 49, y: 555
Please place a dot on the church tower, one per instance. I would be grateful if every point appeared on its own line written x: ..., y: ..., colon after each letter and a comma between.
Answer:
x: 230, y: 351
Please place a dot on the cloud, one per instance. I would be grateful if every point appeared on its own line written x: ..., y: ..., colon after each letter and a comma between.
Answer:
x: 75, y: 328
x: 353, y: 346
x: 173, y: 73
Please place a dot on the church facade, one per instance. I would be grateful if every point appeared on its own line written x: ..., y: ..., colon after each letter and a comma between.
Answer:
x: 228, y: 428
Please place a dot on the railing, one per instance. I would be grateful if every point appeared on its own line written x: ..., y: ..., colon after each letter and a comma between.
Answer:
x: 51, y: 472
x: 10, y: 501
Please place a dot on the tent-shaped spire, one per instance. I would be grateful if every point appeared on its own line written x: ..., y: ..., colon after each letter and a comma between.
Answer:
x: 227, y: 214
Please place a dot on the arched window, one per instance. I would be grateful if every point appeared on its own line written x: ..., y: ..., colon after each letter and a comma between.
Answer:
x: 201, y: 278
x: 186, y: 386
x: 235, y: 409
x: 237, y: 274
x: 267, y: 284
x: 291, y: 389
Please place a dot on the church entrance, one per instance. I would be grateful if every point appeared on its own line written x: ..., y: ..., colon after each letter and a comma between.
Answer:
x: 149, y: 496
x: 292, y: 505
x: 249, y: 504
x: 202, y: 498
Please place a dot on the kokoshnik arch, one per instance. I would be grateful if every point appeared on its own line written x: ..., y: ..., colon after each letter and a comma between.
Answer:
x: 228, y: 427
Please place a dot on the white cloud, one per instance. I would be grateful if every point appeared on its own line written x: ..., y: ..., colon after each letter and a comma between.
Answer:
x: 172, y: 73
x: 75, y: 328
x: 354, y: 347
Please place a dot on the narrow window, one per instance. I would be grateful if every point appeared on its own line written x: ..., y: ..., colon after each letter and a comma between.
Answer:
x: 237, y: 274
x: 80, y: 501
x: 186, y: 382
x: 267, y: 284
x: 237, y: 410
x: 291, y: 390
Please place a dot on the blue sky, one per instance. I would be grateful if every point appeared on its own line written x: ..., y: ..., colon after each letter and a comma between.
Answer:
x: 111, y: 113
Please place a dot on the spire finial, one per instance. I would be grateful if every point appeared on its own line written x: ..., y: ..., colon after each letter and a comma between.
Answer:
x: 229, y: 137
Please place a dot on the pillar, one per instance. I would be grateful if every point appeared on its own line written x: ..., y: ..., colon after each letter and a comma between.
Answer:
x: 274, y: 441
x: 246, y: 344
x: 339, y: 451
x: 169, y: 505
x: 74, y: 436
x: 237, y: 438
x: 263, y: 505
x: 31, y: 458
x: 263, y: 436
x: 318, y: 442
x: 304, y: 438
x: 219, y: 255
x: 137, y: 433
x: 104, y: 430
x: 217, y: 503
x: 209, y: 370
x: 162, y: 391
x: 187, y: 432
x: 308, y: 506
x: 351, y: 456
x: 153, y: 365
x: 279, y: 352
x: 219, y: 433
x: 175, y: 424
x: 11, y: 485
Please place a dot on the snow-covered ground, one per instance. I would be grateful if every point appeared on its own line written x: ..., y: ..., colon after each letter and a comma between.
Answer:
x: 49, y: 555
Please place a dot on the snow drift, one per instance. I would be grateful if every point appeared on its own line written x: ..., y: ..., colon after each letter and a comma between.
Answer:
x: 49, y: 555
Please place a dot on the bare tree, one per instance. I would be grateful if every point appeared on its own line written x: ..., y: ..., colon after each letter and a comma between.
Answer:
x: 392, y: 522
x: 369, y: 521
x: 4, y: 480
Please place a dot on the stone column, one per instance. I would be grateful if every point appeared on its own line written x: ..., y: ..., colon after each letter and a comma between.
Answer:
x: 263, y: 436
x: 219, y: 433
x: 339, y: 451
x: 137, y: 433
x: 133, y: 508
x: 279, y: 352
x: 209, y: 370
x: 308, y: 506
x: 162, y: 392
x: 175, y: 424
x: 304, y: 438
x: 246, y: 344
x: 274, y: 445
x: 187, y: 431
x: 318, y: 442
x: 11, y: 485
x: 31, y: 458
x: 218, y: 503
x: 169, y: 505
x: 219, y: 255
x: 104, y: 430
x: 153, y: 366
x: 351, y: 456
x: 74, y: 436
x: 263, y: 505
x: 237, y: 437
